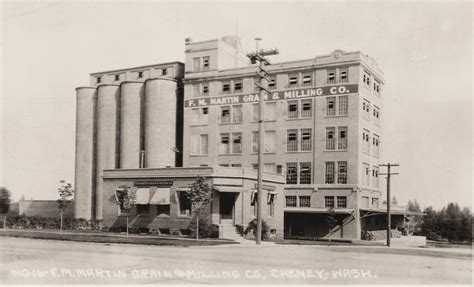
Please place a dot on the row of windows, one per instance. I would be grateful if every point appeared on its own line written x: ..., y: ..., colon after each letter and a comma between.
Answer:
x: 298, y: 173
x: 270, y: 202
x: 201, y: 64
x: 137, y: 75
x: 332, y: 138
x: 335, y: 175
x: 367, y: 173
x: 375, y: 85
x: 305, y: 201
x: 366, y: 143
x: 375, y: 112
x: 365, y: 202
x: 337, y: 106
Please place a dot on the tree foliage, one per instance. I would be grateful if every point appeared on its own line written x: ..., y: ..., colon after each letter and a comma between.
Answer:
x: 4, y: 200
x: 450, y: 223
x: 200, y: 193
x: 66, y: 195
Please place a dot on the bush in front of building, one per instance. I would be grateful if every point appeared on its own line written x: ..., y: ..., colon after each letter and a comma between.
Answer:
x: 206, y: 229
x: 252, y: 229
x: 51, y: 223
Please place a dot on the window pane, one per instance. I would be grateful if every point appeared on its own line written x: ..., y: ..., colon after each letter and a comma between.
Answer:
x: 329, y: 201
x: 342, y: 172
x: 196, y: 64
x: 305, y: 201
x: 292, y: 109
x: 330, y: 139
x: 305, y: 139
x: 291, y: 173
x: 342, y: 138
x: 254, y: 142
x: 305, y: 173
x: 237, y: 114
x: 342, y: 202
x: 306, y: 108
x: 236, y: 143
x: 204, y: 144
x: 270, y: 111
x: 329, y: 178
x: 225, y: 115
x: 343, y: 105
x: 292, y: 140
x: 330, y: 106
x: 270, y: 141
x: 290, y: 201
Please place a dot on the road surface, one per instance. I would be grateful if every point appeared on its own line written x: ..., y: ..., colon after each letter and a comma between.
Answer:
x: 36, y: 261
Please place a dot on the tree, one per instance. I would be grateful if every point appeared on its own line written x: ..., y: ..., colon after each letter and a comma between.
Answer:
x: 66, y: 194
x: 199, y: 196
x: 394, y: 201
x: 125, y: 200
x: 4, y: 200
x: 415, y: 220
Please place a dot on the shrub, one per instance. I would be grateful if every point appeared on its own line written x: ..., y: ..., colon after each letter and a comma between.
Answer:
x: 206, y: 230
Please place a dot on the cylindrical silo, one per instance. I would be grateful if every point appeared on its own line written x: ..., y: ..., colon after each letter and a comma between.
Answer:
x: 160, y: 122
x: 108, y: 100
x: 84, y: 180
x: 130, y: 119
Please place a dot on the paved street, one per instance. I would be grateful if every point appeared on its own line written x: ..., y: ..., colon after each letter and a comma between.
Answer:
x: 33, y: 261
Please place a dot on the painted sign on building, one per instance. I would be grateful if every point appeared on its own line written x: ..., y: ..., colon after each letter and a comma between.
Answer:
x: 277, y: 95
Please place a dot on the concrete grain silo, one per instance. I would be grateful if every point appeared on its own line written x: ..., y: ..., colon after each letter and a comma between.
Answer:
x: 131, y: 133
x: 84, y: 164
x: 108, y: 100
x: 160, y: 122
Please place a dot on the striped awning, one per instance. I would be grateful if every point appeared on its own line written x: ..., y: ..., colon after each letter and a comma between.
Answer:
x: 143, y: 195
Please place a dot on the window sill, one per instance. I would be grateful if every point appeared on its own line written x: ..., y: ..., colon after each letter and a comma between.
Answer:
x: 199, y: 125
x: 306, y: 151
x: 230, y: 154
x: 265, y: 121
x: 335, y: 150
x: 223, y: 124
x: 198, y: 155
x: 300, y: 118
x: 337, y: 116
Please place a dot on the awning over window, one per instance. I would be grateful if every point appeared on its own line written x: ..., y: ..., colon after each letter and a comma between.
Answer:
x: 229, y: 189
x: 161, y: 196
x: 143, y: 195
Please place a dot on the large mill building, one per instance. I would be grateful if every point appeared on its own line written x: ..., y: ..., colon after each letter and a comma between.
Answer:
x: 153, y: 129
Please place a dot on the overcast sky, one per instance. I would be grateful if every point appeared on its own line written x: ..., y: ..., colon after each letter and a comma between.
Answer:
x: 424, y: 49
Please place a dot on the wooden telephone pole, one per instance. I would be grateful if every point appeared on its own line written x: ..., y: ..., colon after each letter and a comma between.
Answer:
x: 259, y: 56
x: 389, y: 219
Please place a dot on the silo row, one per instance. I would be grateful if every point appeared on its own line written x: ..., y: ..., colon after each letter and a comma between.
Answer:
x: 113, y: 124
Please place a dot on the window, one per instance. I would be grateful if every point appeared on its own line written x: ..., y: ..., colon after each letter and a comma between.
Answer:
x: 343, y: 100
x: 231, y: 114
x: 200, y: 116
x: 366, y: 78
x: 117, y: 77
x: 343, y: 75
x: 196, y: 64
x: 365, y: 173
x: 292, y: 80
x: 269, y: 167
x: 236, y: 165
x: 272, y: 83
x: 329, y: 201
x: 291, y: 173
x: 375, y: 176
x: 255, y: 112
x: 196, y: 91
x: 205, y: 89
x: 164, y: 72
x: 199, y: 144
x: 184, y: 203
x: 342, y: 202
x: 305, y: 201
x: 375, y: 202
x: 143, y: 209
x: 342, y: 172
x: 224, y: 146
x: 226, y: 87
x: 225, y: 115
x: 270, y: 111
x: 342, y: 138
x: 305, y: 173
x: 292, y: 109
x: 331, y: 76
x: 375, y: 143
x: 290, y: 201
x: 307, y: 79
x: 376, y: 115
x: 376, y: 86
x: 238, y: 86
x: 365, y: 141
x: 254, y: 142
x: 330, y: 106
x: 140, y: 75
x: 99, y: 80
x: 163, y: 210
x: 365, y: 202
x: 205, y: 63
x: 292, y: 140
x: 271, y: 204
x: 305, y: 140
x: 237, y: 114
x: 306, y: 108
x: 366, y: 109
x: 237, y: 143
x: 330, y: 138
x: 279, y: 169
x: 269, y: 142
x: 255, y: 166
x: 329, y: 177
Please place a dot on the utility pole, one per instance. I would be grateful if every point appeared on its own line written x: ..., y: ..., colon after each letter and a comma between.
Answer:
x: 389, y: 218
x: 259, y: 56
